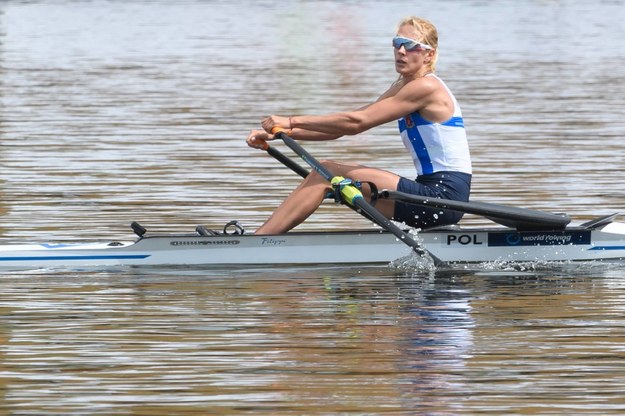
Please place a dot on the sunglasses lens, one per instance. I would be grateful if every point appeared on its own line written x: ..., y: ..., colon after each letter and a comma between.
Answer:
x: 408, y: 44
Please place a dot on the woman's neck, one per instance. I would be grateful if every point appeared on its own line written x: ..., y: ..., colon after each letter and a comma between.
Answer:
x: 417, y: 75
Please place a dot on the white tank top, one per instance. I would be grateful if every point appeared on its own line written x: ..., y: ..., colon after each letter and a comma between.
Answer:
x: 437, y: 147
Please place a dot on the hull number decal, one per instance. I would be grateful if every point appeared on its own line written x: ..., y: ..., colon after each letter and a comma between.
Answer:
x: 464, y: 239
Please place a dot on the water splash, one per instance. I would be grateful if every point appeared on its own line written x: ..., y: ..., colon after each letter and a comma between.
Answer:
x: 414, y: 263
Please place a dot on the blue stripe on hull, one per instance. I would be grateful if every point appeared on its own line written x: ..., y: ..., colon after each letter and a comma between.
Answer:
x: 55, y: 258
x: 608, y: 248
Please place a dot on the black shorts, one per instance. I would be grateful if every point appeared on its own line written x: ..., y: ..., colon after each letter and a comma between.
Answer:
x: 445, y: 185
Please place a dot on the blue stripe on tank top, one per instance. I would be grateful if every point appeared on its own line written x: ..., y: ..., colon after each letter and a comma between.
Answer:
x: 418, y: 120
x: 454, y: 122
x: 417, y: 142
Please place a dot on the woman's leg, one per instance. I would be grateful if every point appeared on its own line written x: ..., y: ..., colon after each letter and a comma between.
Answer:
x: 307, y: 197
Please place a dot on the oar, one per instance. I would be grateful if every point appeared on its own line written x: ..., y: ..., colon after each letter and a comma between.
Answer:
x: 520, y: 218
x: 285, y: 160
x: 352, y: 196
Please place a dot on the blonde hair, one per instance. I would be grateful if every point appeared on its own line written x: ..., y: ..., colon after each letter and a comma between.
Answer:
x: 426, y: 32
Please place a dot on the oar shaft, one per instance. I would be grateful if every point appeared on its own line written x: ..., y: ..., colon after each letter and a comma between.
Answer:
x: 286, y: 161
x: 520, y: 217
x: 375, y: 216
x: 282, y: 158
x: 306, y: 157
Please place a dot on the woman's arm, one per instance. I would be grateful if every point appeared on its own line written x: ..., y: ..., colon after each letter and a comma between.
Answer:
x: 395, y: 103
x: 303, y: 134
x: 256, y: 138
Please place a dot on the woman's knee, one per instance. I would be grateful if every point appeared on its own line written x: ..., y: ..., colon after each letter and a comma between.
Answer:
x: 332, y: 166
x: 314, y: 178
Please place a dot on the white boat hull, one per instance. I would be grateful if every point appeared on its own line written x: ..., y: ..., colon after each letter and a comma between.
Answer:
x: 294, y: 248
x: 456, y: 245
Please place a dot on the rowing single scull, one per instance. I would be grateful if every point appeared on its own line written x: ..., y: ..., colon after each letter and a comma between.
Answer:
x: 602, y: 239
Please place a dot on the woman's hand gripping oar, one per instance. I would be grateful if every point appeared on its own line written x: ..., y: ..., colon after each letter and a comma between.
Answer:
x: 280, y: 157
x: 354, y: 198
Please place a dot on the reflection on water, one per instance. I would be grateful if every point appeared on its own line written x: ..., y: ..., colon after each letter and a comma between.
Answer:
x: 309, y: 340
x: 118, y: 111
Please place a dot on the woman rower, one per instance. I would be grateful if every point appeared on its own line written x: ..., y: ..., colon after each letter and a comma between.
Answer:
x: 430, y: 125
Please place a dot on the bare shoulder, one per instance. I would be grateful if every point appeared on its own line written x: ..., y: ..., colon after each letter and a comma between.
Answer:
x: 419, y: 87
x: 422, y: 86
x: 433, y: 99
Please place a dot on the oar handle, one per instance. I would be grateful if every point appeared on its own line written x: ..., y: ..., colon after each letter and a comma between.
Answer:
x: 282, y: 158
x: 263, y: 143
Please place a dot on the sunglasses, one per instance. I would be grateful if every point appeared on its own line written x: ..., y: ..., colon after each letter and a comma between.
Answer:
x: 409, y: 44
